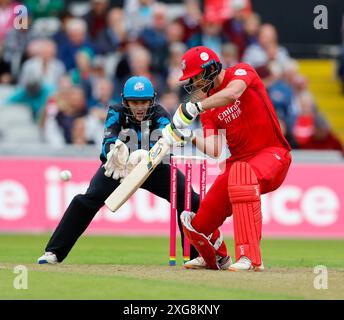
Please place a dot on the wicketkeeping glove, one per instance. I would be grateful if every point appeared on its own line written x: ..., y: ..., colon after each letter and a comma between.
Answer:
x: 186, y: 113
x: 117, y: 158
x: 135, y: 158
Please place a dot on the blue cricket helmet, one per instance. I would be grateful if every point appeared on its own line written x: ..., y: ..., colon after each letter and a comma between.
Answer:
x: 138, y: 88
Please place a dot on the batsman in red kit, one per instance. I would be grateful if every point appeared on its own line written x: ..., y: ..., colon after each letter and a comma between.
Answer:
x: 234, y: 100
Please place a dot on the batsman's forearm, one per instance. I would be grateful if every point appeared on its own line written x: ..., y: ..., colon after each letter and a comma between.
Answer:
x: 225, y: 96
x: 220, y: 99
x: 210, y: 146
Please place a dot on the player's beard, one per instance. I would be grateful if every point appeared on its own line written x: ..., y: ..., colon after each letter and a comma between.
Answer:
x: 207, y: 86
x: 200, y: 93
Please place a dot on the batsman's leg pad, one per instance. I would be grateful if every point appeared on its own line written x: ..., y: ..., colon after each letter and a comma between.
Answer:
x: 202, y: 243
x: 244, y: 194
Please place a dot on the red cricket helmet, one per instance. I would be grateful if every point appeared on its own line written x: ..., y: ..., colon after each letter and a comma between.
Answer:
x: 196, y: 60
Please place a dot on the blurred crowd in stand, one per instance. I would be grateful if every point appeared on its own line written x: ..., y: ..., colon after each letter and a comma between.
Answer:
x: 68, y: 66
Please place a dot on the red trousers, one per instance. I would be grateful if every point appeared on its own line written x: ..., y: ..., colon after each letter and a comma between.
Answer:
x: 270, y: 166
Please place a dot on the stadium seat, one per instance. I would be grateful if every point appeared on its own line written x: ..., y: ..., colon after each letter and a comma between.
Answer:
x: 27, y: 134
x: 5, y: 91
x: 16, y: 125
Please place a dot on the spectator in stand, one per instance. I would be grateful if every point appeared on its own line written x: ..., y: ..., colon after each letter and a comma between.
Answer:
x: 141, y: 63
x: 55, y: 103
x: 98, y: 69
x: 176, y: 51
x: 96, y: 17
x: 170, y: 100
x: 323, y: 137
x: 5, y: 68
x: 114, y: 35
x: 340, y: 71
x: 87, y: 130
x: 82, y: 74
x: 252, y: 25
x: 137, y: 61
x: 44, y: 8
x: 234, y: 28
x: 304, y: 124
x: 33, y: 48
x: 155, y: 40
x: 65, y: 118
x: 211, y: 35
x: 43, y: 65
x: 34, y: 93
x: 287, y: 134
x: 292, y: 72
x: 93, y: 124
x: 76, y: 30
x: 79, y: 133
x: 297, y: 83
x: 7, y: 14
x: 311, y: 130
x: 267, y: 49
x: 281, y: 95
x: 103, y: 97
x: 175, y: 32
x: 122, y: 68
x: 192, y: 18
x: 293, y: 77
x: 138, y: 15
x: 229, y: 55
x: 16, y: 46
x: 61, y: 35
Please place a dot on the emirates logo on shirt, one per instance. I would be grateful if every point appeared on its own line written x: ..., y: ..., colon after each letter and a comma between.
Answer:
x: 231, y: 113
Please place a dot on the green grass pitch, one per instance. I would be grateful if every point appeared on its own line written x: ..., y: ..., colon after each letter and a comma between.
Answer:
x: 105, y: 267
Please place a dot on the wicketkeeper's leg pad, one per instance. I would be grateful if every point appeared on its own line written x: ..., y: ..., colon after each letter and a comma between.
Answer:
x: 244, y: 194
x: 201, y: 242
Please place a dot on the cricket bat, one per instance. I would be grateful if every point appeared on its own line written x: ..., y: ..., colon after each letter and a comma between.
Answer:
x: 137, y: 176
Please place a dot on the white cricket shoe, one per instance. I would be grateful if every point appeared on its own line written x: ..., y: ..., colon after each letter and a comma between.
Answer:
x: 48, y: 257
x: 245, y: 264
x: 199, y: 263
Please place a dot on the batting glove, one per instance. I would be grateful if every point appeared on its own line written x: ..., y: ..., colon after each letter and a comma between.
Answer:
x: 175, y: 136
x: 186, y: 113
x: 117, y: 158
